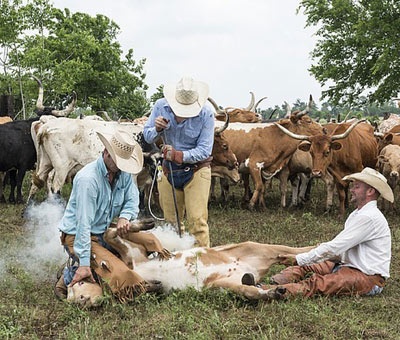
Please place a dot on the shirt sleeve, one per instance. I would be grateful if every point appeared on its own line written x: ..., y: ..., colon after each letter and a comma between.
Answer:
x: 150, y: 133
x: 85, y: 213
x: 359, y: 229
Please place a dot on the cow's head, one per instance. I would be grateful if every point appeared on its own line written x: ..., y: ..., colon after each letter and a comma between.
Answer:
x: 321, y: 146
x: 222, y: 153
x: 239, y: 115
x: 85, y: 294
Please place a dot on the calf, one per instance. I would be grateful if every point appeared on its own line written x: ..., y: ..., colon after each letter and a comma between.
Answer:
x: 218, y: 267
x: 388, y: 165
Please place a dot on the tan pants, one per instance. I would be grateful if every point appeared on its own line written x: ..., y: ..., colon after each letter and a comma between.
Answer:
x: 193, y: 200
x: 124, y: 283
x: 319, y: 279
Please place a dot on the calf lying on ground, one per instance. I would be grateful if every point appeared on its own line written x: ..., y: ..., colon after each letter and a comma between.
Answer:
x: 221, y: 266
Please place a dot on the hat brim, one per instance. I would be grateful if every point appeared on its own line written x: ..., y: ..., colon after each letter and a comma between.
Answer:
x: 383, y: 188
x: 133, y: 165
x: 186, y: 111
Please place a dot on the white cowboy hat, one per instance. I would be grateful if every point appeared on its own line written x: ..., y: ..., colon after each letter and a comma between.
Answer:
x: 124, y: 150
x: 375, y: 179
x: 187, y: 97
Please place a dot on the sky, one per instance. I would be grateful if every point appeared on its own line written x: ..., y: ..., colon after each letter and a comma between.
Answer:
x: 235, y: 46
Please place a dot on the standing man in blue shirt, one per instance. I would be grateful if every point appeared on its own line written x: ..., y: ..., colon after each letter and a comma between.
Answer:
x: 186, y: 127
x: 102, y: 191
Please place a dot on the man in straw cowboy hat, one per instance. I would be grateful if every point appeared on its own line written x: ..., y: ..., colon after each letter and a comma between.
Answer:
x: 101, y: 191
x: 356, y: 261
x: 186, y: 126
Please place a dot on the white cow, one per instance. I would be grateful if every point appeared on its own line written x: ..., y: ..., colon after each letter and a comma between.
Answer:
x: 65, y: 145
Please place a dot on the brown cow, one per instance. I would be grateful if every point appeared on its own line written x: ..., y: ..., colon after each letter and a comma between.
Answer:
x: 217, y: 267
x: 357, y: 149
x: 236, y: 115
x: 265, y: 151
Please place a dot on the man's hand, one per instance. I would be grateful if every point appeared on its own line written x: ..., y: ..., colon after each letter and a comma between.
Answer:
x: 287, y: 259
x: 81, y: 273
x: 161, y: 123
x: 172, y: 155
x: 122, y: 226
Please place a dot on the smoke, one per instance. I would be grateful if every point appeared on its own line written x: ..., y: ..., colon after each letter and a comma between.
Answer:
x: 171, y: 240
x: 45, y: 250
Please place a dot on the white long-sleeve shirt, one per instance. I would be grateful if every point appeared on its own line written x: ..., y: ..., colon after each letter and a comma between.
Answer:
x: 364, y: 243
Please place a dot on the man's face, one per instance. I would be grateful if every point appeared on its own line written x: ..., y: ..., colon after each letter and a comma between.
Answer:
x: 359, y: 192
x: 110, y: 164
x: 85, y: 294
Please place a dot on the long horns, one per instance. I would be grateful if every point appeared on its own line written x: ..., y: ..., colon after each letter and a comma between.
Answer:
x: 307, y: 138
x: 218, y: 131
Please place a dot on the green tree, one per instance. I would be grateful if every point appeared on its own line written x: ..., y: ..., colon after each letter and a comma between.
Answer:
x: 77, y: 52
x: 358, y: 48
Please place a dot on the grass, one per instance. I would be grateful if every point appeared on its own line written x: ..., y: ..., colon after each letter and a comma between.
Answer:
x: 29, y: 310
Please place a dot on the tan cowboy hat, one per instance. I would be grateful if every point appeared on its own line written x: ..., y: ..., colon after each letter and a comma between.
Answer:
x: 187, y: 97
x: 124, y: 150
x: 375, y: 179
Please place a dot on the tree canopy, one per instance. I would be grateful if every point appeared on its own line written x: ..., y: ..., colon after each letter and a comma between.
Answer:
x: 358, y: 51
x: 69, y: 52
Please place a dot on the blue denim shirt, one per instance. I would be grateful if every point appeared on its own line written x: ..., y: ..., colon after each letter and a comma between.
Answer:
x: 194, y: 136
x: 93, y: 205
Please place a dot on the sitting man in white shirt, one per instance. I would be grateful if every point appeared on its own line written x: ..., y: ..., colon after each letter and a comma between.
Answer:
x: 356, y: 261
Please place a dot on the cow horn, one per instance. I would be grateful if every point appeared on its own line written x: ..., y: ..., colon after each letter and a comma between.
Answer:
x: 39, y: 101
x: 259, y: 101
x: 219, y: 111
x: 251, y: 105
x: 218, y: 131
x: 346, y: 133
x: 68, y: 109
x: 288, y: 110
x: 307, y: 109
x: 291, y: 134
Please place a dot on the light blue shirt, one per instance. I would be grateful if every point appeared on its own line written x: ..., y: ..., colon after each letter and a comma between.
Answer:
x: 93, y: 205
x: 194, y: 136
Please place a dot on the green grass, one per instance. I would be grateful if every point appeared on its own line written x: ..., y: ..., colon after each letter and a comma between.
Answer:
x: 29, y: 310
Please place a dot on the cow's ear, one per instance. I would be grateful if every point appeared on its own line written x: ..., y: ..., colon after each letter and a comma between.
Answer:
x: 304, y: 146
x: 382, y: 159
x: 336, y: 146
x: 388, y: 138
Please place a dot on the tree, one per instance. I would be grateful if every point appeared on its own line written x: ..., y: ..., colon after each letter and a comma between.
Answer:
x: 76, y: 52
x: 358, y: 48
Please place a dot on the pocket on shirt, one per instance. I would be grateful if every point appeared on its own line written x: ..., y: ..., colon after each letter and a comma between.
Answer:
x: 192, y: 133
x: 118, y: 198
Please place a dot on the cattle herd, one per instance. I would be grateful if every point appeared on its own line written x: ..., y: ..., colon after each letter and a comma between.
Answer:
x: 246, y: 149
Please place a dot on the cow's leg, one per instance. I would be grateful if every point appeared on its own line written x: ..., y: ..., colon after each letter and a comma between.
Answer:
x: 20, y: 178
x: 258, y: 194
x: 2, y: 186
x: 250, y: 292
x: 12, y: 176
x: 295, y: 184
x: 283, y: 180
x: 330, y: 186
x: 341, y: 190
x: 224, y: 183
x: 213, y: 197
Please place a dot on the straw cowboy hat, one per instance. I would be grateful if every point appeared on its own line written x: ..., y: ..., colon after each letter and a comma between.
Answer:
x: 375, y: 179
x: 124, y: 150
x: 187, y: 97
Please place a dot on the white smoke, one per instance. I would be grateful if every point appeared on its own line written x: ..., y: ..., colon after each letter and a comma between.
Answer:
x: 46, y: 251
x: 170, y: 239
